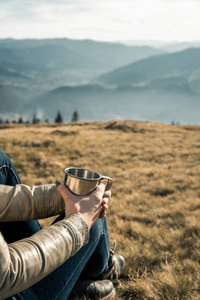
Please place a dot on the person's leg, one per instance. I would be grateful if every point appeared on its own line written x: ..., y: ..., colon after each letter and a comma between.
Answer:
x: 99, y: 261
x: 59, y: 283
x: 13, y: 231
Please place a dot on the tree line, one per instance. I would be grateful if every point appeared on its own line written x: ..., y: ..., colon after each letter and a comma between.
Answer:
x: 36, y: 120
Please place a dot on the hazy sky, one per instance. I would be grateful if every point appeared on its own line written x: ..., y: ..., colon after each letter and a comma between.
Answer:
x: 109, y: 20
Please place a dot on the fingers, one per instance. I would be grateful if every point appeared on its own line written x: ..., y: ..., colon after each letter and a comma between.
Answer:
x: 104, y: 208
x: 104, y: 201
x: 107, y: 194
x: 102, y: 214
x: 106, y: 197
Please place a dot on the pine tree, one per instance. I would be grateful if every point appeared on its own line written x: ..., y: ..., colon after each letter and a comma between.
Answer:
x: 58, y: 118
x: 75, y: 116
x: 20, y: 121
x: 35, y: 119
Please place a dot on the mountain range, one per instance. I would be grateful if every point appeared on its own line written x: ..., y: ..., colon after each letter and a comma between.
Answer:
x: 54, y: 58
x: 102, y: 81
x: 173, y: 68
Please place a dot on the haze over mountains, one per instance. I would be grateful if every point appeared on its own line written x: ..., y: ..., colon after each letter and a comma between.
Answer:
x: 102, y: 81
x: 165, y: 46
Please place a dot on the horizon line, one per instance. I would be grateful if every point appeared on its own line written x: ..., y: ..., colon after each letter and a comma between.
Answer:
x: 103, y: 41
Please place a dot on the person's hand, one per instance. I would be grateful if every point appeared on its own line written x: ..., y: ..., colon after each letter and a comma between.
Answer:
x: 89, y: 207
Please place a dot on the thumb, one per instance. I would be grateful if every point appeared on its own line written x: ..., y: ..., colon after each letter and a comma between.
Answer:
x: 62, y: 189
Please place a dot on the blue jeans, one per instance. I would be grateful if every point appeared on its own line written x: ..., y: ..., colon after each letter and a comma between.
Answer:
x: 90, y: 262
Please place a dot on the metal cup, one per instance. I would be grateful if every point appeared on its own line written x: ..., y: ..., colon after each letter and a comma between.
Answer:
x: 83, y: 181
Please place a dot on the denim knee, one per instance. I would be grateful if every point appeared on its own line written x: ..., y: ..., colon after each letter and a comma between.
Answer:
x: 3, y: 158
x: 8, y: 173
x: 100, y: 227
x: 99, y: 232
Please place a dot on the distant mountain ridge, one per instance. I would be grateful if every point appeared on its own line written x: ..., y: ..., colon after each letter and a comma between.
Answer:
x: 88, y: 53
x: 178, y: 65
x: 173, y: 46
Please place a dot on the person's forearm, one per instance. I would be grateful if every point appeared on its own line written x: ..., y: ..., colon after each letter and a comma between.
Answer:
x: 27, y: 261
x: 24, y: 203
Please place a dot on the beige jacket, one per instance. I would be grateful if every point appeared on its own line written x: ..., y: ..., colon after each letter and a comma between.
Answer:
x: 27, y: 261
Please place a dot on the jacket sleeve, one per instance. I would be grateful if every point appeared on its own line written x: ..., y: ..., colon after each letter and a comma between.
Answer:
x: 21, y: 202
x: 25, y: 262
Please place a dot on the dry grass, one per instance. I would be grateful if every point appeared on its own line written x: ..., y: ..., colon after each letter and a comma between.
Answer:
x: 154, y: 212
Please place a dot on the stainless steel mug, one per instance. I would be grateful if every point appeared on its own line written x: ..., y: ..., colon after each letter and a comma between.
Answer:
x: 83, y: 181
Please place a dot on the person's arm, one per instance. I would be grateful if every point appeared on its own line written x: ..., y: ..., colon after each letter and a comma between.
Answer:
x: 27, y: 261
x: 22, y: 202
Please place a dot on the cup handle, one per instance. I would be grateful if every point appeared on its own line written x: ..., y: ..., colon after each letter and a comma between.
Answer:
x: 109, y: 183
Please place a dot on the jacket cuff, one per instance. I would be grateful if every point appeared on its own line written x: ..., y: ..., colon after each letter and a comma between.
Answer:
x: 79, y: 229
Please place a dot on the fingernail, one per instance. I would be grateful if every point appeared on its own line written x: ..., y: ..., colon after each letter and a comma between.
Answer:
x: 105, y: 201
x: 57, y: 183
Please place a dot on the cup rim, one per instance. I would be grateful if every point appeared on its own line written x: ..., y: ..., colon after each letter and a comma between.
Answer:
x: 92, y: 179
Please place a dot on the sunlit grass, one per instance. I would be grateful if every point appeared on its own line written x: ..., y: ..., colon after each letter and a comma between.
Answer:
x: 154, y: 211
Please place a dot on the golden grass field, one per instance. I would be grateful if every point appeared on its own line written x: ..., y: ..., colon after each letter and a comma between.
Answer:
x: 154, y: 212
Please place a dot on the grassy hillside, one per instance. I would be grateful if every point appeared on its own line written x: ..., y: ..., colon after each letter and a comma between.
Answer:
x: 154, y: 211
